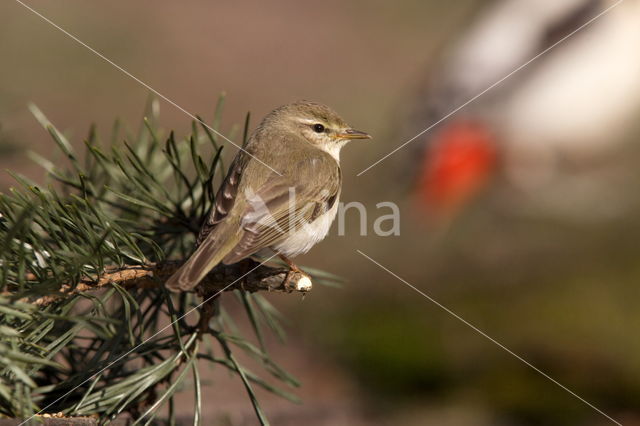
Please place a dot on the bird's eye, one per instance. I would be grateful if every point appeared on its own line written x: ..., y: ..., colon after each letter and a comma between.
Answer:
x: 318, y: 128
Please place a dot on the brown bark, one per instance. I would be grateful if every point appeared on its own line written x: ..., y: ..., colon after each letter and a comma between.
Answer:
x: 222, y: 278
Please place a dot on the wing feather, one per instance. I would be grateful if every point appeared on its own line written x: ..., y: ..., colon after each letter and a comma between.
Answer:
x: 225, y: 197
x: 281, y: 207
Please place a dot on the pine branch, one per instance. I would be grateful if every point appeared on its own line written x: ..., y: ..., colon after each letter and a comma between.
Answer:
x: 222, y: 278
x: 110, y: 220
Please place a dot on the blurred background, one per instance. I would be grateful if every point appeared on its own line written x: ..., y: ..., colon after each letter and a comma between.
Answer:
x: 519, y: 212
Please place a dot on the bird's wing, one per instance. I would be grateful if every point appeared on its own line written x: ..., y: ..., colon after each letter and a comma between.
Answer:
x: 216, y: 235
x: 230, y: 238
x: 225, y: 197
x: 284, y: 204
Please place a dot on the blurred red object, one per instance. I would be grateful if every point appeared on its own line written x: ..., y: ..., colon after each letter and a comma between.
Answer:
x: 456, y: 167
x: 560, y: 95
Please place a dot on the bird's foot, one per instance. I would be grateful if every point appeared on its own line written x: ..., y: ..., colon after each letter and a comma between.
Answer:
x: 303, y: 280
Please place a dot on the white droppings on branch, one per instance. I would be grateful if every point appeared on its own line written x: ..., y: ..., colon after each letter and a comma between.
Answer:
x: 303, y: 284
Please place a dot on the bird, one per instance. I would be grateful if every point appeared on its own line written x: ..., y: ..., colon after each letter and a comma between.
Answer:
x: 568, y: 93
x: 280, y: 194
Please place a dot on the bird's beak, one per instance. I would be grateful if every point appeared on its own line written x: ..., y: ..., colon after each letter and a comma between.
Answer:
x: 353, y: 134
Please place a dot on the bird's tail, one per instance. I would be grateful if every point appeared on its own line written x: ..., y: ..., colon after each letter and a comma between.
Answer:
x: 211, y: 252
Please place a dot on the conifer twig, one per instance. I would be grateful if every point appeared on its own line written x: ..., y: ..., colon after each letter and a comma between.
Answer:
x: 114, y: 206
x: 263, y: 278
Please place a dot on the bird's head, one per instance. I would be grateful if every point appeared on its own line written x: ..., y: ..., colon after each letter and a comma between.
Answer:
x: 317, y: 123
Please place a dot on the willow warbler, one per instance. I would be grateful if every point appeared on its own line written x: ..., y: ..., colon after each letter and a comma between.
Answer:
x: 280, y: 193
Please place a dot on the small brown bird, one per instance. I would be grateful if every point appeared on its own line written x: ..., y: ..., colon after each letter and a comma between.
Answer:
x: 281, y: 191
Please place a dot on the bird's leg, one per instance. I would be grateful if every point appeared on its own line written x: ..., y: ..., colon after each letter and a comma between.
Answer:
x: 293, y: 268
x: 289, y: 262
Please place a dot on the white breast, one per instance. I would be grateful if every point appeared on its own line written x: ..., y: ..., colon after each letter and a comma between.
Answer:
x: 306, y: 237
